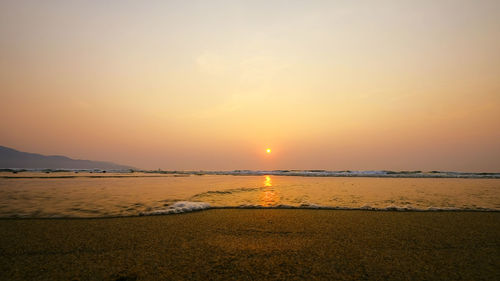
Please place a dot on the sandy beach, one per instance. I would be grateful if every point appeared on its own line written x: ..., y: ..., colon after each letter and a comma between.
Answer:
x: 232, y: 244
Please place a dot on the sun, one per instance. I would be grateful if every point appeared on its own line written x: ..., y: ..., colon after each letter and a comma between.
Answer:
x: 268, y: 151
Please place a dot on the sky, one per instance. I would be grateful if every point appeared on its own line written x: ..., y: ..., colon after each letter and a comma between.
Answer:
x: 337, y: 85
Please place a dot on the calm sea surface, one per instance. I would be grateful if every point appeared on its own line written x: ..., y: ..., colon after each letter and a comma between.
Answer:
x: 98, y: 195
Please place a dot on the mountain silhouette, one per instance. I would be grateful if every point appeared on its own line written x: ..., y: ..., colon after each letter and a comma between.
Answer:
x: 11, y: 158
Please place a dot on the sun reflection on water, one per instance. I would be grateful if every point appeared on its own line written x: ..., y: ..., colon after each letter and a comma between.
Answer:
x: 269, y: 197
x: 268, y: 182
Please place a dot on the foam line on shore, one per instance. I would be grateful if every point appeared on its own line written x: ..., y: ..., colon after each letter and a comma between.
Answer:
x: 186, y: 207
x: 189, y: 206
x: 179, y: 207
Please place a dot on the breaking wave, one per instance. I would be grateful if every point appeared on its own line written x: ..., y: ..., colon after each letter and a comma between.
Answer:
x: 301, y: 173
x: 179, y: 207
x: 186, y: 207
x: 346, y: 173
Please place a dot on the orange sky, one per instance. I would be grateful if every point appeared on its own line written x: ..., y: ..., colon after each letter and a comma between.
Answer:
x: 357, y: 85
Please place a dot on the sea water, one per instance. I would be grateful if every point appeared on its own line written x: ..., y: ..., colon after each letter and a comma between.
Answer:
x: 84, y: 194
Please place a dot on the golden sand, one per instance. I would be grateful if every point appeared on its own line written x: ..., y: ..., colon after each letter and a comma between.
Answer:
x: 230, y: 244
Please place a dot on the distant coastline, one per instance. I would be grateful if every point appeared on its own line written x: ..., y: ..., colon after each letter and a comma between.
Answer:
x: 17, y: 160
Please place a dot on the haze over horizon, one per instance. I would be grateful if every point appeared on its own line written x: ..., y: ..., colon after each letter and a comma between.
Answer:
x: 344, y: 85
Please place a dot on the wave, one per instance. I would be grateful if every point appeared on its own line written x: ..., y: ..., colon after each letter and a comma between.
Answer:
x: 211, y: 193
x: 348, y: 173
x: 187, y: 206
x: 182, y: 207
x: 302, y: 173
x: 178, y: 207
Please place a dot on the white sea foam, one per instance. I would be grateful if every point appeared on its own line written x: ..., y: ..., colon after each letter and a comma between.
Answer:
x: 187, y: 206
x: 325, y: 173
x: 363, y: 208
x: 302, y: 173
x: 179, y: 207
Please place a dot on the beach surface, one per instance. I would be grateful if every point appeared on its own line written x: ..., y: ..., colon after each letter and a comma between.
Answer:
x: 255, y: 244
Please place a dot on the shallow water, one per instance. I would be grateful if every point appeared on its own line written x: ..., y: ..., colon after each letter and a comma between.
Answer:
x: 98, y: 195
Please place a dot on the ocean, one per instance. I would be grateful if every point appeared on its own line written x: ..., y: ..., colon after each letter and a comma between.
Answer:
x: 84, y: 194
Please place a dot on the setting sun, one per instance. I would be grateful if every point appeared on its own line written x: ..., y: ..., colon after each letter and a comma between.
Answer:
x: 268, y: 151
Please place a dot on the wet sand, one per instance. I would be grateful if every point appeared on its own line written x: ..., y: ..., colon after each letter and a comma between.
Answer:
x: 233, y: 244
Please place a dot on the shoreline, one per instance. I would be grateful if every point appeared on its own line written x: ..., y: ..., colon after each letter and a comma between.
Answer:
x: 273, y: 244
x: 376, y: 210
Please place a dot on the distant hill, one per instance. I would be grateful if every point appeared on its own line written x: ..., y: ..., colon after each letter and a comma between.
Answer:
x: 11, y: 158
